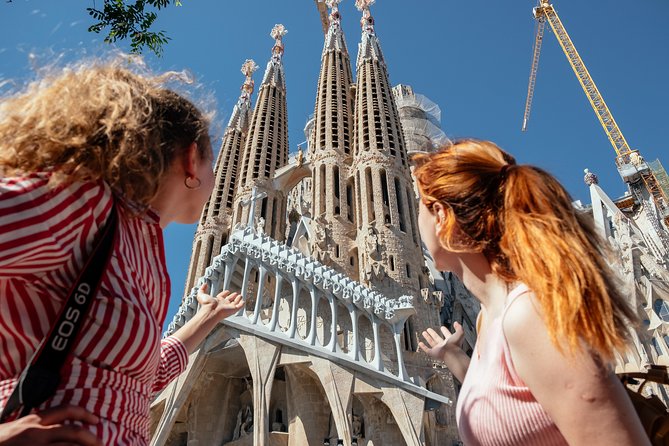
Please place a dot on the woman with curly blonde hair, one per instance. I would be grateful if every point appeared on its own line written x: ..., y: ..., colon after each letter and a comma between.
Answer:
x: 551, y: 315
x: 75, y: 147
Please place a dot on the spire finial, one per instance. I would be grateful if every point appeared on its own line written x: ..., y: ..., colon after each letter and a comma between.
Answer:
x: 590, y: 178
x: 367, y: 21
x: 335, y: 18
x: 248, y: 68
x: 277, y: 34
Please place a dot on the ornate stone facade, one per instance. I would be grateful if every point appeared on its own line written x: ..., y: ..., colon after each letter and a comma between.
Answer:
x: 325, y: 348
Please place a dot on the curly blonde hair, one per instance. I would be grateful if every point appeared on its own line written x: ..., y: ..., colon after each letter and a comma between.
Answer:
x: 101, y: 120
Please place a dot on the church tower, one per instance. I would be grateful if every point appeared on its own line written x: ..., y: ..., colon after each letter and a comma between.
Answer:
x: 266, y: 148
x: 216, y: 221
x: 331, y: 153
x: 390, y: 251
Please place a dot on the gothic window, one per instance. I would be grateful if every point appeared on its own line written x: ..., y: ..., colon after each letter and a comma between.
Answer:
x: 263, y: 212
x: 385, y: 196
x: 656, y: 346
x: 412, y: 215
x: 358, y: 198
x: 370, y: 195
x: 335, y: 174
x: 409, y: 339
x: 274, y: 215
x: 210, y: 248
x: 323, y: 189
x: 349, y: 200
x: 662, y: 309
x: 400, y: 205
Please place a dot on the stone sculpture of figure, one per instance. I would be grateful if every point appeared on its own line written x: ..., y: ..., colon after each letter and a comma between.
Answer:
x: 238, y: 425
x: 320, y: 244
x: 356, y: 426
x: 244, y: 424
x: 247, y: 424
x: 300, y: 157
x: 425, y: 293
x: 260, y: 225
x: 373, y: 266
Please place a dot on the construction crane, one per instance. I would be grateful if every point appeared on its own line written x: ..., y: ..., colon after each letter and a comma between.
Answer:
x: 631, y: 165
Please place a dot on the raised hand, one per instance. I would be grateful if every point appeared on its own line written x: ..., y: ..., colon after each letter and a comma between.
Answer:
x: 47, y: 428
x: 224, y: 304
x: 439, y: 347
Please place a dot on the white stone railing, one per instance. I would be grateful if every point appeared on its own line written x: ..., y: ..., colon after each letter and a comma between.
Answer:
x: 257, y: 251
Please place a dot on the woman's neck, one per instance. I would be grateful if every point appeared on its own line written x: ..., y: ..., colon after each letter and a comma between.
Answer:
x: 474, y: 270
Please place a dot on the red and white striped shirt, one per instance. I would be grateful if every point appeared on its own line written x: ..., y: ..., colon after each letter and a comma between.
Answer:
x: 119, y: 360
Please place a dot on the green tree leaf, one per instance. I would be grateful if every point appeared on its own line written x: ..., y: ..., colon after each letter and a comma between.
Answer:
x: 131, y: 19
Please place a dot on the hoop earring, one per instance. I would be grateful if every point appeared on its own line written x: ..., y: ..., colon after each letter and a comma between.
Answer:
x: 190, y: 186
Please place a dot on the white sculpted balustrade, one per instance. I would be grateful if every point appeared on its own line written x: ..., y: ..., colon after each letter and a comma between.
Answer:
x: 285, y: 290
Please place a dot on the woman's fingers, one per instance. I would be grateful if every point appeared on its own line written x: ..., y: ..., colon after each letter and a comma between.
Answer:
x: 434, y: 338
x: 71, y: 435
x: 226, y: 294
x: 47, y: 428
x: 57, y: 415
x: 446, y: 332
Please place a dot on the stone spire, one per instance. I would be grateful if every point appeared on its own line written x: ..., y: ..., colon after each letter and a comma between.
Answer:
x: 241, y: 113
x: 390, y: 250
x: 334, y: 38
x: 274, y: 71
x: 266, y: 148
x: 369, y: 44
x: 330, y: 152
x: 215, y: 223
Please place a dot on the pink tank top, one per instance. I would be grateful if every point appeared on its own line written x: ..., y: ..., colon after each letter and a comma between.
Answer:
x: 494, y: 406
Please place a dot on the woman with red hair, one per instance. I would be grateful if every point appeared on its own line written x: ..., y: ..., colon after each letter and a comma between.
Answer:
x: 552, y: 317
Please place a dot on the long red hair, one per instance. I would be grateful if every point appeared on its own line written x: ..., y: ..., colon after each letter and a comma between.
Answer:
x: 522, y: 219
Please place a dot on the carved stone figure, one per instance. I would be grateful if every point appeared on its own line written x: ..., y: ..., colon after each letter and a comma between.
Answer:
x: 320, y: 244
x: 300, y: 157
x: 260, y: 225
x: 356, y: 426
x: 373, y: 267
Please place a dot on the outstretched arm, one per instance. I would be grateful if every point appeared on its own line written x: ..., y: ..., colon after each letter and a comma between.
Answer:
x: 174, y: 350
x: 584, y: 397
x: 213, y: 309
x: 447, y: 349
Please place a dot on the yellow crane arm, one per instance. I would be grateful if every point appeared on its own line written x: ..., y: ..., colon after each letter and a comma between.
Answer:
x: 594, y: 96
x: 625, y: 156
x: 538, y: 38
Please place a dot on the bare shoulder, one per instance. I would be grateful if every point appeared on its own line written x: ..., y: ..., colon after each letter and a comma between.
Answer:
x: 581, y: 394
x: 523, y: 322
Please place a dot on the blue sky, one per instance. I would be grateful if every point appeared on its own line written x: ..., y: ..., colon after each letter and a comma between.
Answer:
x: 472, y: 58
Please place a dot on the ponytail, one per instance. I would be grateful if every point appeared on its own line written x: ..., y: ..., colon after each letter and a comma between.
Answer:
x: 555, y: 251
x: 522, y: 219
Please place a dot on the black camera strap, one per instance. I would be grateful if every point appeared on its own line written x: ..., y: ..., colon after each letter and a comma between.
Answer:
x: 41, y: 377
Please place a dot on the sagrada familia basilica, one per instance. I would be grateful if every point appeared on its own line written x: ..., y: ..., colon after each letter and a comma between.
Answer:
x: 325, y: 247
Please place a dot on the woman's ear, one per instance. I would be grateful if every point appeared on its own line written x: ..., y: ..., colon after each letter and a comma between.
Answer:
x: 190, y: 160
x: 439, y: 213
